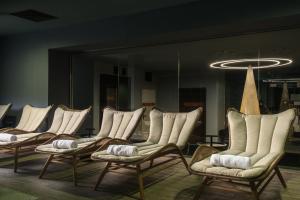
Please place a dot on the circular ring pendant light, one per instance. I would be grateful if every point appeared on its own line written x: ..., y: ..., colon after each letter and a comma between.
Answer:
x: 242, y: 64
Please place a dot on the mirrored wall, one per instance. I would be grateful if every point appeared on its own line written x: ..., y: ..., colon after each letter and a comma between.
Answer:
x: 178, y: 78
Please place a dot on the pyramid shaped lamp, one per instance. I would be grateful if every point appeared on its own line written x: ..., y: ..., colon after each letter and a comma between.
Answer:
x: 250, y: 103
x: 285, y: 100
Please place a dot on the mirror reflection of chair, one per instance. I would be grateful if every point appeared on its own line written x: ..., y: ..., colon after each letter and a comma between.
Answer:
x: 169, y: 133
x: 261, y: 138
x: 65, y: 122
x: 119, y: 125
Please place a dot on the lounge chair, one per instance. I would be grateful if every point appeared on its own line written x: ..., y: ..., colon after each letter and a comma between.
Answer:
x: 260, y: 137
x: 3, y: 110
x: 169, y: 133
x: 30, y: 121
x: 115, y: 124
x: 65, y: 122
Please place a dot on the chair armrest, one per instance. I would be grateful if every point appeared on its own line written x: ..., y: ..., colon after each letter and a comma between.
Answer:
x: 120, y: 141
x: 61, y: 137
x: 13, y: 131
x: 168, y: 148
x: 94, y: 146
x: 5, y: 129
x: 45, y: 135
x: 201, y: 153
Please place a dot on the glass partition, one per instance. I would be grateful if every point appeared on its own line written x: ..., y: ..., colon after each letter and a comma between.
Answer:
x: 178, y: 78
x: 82, y: 69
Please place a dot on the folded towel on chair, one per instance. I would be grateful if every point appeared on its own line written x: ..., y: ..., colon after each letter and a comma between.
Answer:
x: 122, y: 150
x: 5, y: 137
x: 64, y: 144
x: 230, y: 161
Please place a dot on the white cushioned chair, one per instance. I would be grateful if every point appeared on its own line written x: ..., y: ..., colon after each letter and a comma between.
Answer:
x: 119, y: 125
x: 30, y: 120
x: 65, y: 122
x: 169, y: 133
x: 3, y: 110
x: 260, y: 137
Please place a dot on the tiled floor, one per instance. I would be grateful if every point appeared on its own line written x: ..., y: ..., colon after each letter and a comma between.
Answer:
x: 168, y: 182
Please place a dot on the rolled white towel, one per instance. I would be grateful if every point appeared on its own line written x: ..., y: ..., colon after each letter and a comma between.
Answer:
x: 64, y: 144
x: 122, y: 150
x: 230, y: 161
x: 5, y: 137
x: 215, y: 159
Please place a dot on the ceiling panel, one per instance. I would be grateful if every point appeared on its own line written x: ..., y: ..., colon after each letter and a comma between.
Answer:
x: 71, y: 12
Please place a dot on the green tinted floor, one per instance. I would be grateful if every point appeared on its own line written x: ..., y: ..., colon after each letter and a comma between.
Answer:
x: 168, y: 182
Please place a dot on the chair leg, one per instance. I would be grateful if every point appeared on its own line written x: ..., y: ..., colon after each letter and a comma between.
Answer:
x: 105, y: 170
x: 200, y: 188
x: 151, y: 163
x: 184, y: 162
x: 280, y: 176
x: 254, y: 191
x: 188, y: 149
x: 140, y: 180
x: 209, y: 181
x: 74, y: 165
x: 16, y: 156
x: 46, y: 166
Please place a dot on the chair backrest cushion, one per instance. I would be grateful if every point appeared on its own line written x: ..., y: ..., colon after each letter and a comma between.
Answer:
x: 3, y: 110
x: 174, y: 128
x: 67, y: 121
x: 119, y: 124
x: 260, y: 134
x: 32, y: 117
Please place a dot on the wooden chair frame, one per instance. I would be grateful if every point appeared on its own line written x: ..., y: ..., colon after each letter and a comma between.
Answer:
x: 74, y: 158
x: 137, y: 165
x: 166, y: 150
x: 32, y: 142
x: 256, y: 184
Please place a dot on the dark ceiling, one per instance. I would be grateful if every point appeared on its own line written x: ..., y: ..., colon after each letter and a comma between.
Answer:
x: 203, y: 13
x: 219, y: 29
x: 69, y: 12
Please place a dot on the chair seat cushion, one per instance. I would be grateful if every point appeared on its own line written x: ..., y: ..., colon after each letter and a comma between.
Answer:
x: 144, y: 150
x: 259, y: 164
x: 20, y: 138
x: 83, y: 142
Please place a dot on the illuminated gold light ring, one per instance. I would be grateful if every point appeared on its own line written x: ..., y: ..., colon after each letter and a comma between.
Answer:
x: 274, y: 62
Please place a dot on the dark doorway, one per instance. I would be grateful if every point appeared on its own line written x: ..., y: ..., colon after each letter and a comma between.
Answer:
x: 59, y: 77
x: 115, y: 92
x: 190, y: 99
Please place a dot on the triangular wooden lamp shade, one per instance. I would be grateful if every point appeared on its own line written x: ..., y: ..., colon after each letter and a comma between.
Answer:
x: 285, y: 100
x: 250, y: 104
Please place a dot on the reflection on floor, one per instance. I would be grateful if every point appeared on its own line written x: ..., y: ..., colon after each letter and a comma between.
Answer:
x: 170, y: 182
